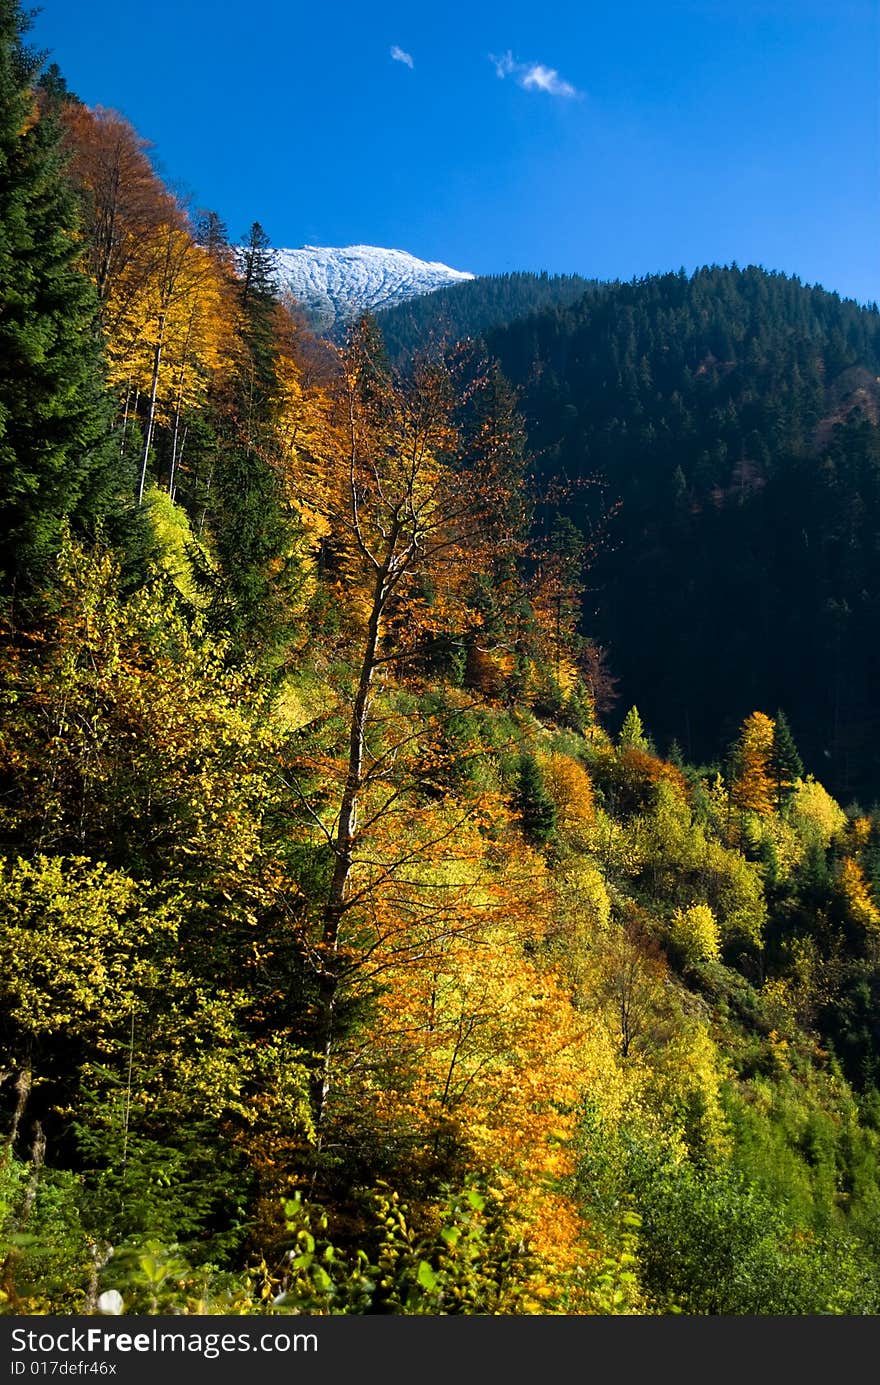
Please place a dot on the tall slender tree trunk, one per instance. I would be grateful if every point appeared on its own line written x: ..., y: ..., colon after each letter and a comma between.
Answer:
x: 174, y: 442
x: 343, y: 845
x: 204, y: 515
x: 151, y: 411
x: 179, y: 461
x: 178, y: 404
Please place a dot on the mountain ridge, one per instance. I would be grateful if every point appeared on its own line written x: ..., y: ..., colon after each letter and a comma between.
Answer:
x: 334, y: 284
x: 729, y: 421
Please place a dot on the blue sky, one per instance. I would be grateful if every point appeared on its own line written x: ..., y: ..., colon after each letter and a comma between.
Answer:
x: 613, y: 139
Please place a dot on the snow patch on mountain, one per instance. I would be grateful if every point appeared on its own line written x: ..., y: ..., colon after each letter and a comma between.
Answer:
x: 336, y: 284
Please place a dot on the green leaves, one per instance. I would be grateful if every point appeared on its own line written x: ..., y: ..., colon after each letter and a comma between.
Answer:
x: 471, y: 1263
x: 426, y: 1277
x: 56, y: 460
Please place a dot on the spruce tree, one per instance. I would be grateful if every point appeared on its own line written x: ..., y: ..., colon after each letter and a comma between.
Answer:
x: 56, y: 463
x: 786, y: 765
x: 253, y: 531
x: 632, y: 733
x: 256, y: 264
x: 257, y: 292
x: 211, y: 232
x: 536, y: 808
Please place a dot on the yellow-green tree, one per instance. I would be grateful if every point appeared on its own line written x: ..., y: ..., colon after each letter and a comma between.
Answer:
x: 752, y: 787
x: 412, y: 504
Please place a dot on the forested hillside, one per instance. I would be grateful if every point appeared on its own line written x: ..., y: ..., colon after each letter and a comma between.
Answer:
x: 472, y: 309
x: 348, y: 963
x: 732, y: 419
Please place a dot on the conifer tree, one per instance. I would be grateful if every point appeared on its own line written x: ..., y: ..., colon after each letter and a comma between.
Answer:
x: 256, y: 267
x: 55, y: 460
x: 258, y: 297
x: 53, y: 88
x: 211, y: 232
x: 785, y: 763
x: 253, y: 529
x: 533, y: 803
x: 632, y: 733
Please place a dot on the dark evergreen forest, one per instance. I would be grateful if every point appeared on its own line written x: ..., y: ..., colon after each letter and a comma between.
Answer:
x: 729, y: 422
x: 471, y: 309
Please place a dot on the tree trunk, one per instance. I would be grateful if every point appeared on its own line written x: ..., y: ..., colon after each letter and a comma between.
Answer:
x: 179, y: 463
x: 151, y: 412
x: 179, y: 404
x: 343, y: 846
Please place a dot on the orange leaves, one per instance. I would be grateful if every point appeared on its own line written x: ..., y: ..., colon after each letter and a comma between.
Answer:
x: 168, y: 307
x: 483, y: 672
x: 631, y: 776
x: 857, y: 896
x: 568, y: 784
x: 408, y: 499
x: 476, y: 1058
x: 472, y: 1034
x: 125, y: 202
x: 752, y: 789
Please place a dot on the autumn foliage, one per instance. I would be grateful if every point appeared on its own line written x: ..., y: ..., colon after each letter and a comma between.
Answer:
x: 348, y: 962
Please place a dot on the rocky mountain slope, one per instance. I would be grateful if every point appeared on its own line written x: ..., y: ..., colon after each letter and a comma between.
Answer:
x: 335, y: 284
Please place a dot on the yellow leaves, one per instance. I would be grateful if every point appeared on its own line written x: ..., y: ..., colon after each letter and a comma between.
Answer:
x: 306, y: 436
x: 78, y: 942
x: 152, y: 747
x: 581, y: 914
x: 474, y: 1044
x: 694, y: 932
x: 786, y: 844
x: 687, y: 1081
x: 752, y: 789
x: 857, y: 895
x: 629, y: 991
x: 174, y: 538
x: 582, y: 894
x: 622, y: 851
x: 569, y: 786
x: 476, y: 1022
x: 814, y: 814
x: 170, y: 318
x: 860, y: 832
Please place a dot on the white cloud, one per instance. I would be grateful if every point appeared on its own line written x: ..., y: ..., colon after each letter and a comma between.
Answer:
x: 400, y: 57
x: 532, y: 76
x: 541, y: 78
x: 504, y: 65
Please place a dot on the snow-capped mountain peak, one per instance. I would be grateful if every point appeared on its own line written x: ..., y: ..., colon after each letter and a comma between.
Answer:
x: 335, y: 284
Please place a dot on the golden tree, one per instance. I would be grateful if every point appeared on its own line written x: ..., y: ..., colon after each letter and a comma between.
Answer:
x: 171, y: 331
x: 752, y: 789
x: 414, y: 505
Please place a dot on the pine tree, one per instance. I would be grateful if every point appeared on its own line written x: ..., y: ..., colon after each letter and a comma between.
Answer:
x: 785, y: 763
x: 56, y: 464
x: 254, y: 532
x: 675, y: 754
x: 53, y: 88
x: 256, y: 266
x: 536, y: 808
x: 632, y: 734
x: 211, y: 232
